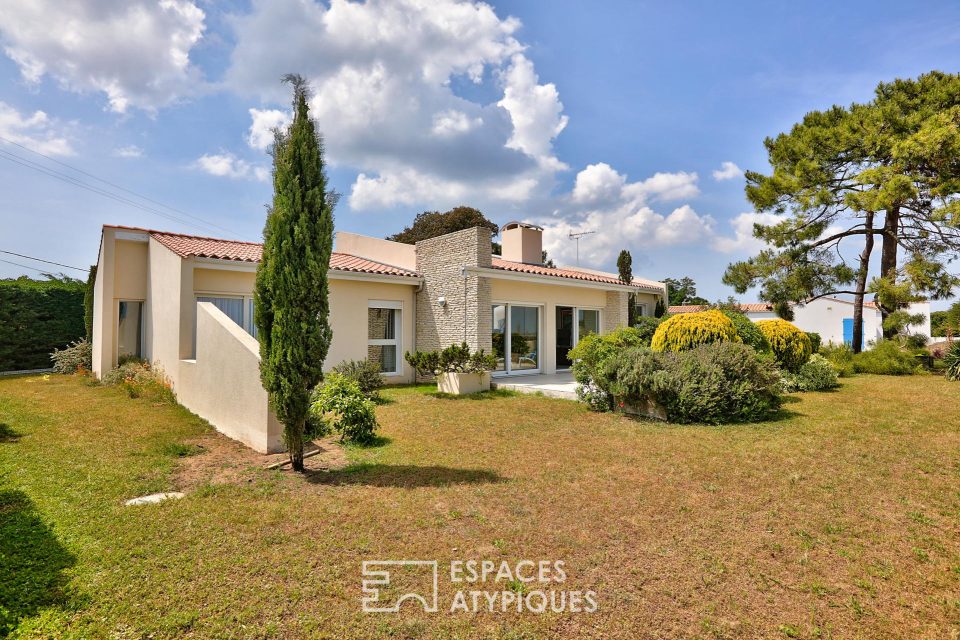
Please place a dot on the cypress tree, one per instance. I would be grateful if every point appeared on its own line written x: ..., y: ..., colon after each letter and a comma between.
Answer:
x: 291, y: 292
x: 625, y: 269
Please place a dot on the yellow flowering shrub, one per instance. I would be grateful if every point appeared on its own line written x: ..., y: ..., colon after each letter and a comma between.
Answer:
x: 790, y: 345
x: 688, y: 330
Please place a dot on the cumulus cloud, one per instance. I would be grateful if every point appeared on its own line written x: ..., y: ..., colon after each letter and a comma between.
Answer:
x: 35, y: 131
x: 384, y: 77
x: 742, y: 240
x: 129, y: 151
x: 263, y: 122
x: 137, y: 52
x: 727, y: 171
x: 227, y: 165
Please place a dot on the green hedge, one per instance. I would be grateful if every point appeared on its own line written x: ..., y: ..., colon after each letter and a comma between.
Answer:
x: 36, y: 317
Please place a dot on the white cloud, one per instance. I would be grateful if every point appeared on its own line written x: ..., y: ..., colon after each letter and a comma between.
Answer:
x: 665, y: 187
x: 136, y: 51
x: 227, y: 165
x: 35, y: 131
x: 129, y: 151
x: 742, y: 240
x: 727, y: 171
x: 383, y: 76
x: 263, y: 122
x: 598, y: 183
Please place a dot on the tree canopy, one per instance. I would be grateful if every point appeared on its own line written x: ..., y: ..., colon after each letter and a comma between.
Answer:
x: 431, y: 224
x: 683, y: 291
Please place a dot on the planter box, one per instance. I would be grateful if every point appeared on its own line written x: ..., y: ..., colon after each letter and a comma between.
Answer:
x: 459, y: 384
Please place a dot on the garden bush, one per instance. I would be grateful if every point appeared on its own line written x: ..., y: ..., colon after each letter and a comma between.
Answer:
x: 688, y: 330
x: 141, y: 380
x: 840, y: 356
x: 886, y: 358
x: 75, y: 358
x: 453, y: 359
x: 365, y: 373
x: 647, y: 326
x: 339, y: 404
x: 951, y: 362
x: 790, y: 346
x: 815, y: 341
x: 36, y: 317
x: 716, y: 383
x: 748, y: 331
x: 816, y: 374
x: 589, y: 356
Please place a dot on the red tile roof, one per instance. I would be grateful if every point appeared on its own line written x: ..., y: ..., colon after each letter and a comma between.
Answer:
x: 573, y: 274
x: 750, y: 307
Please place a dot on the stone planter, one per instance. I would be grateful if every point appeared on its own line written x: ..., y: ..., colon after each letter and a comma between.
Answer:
x: 459, y: 384
x: 645, y: 408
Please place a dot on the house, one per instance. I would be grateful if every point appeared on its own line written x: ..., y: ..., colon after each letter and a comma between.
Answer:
x: 831, y: 318
x: 185, y: 303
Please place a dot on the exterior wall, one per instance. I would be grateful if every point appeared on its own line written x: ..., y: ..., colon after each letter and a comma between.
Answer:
x: 615, y: 312
x: 234, y: 283
x: 166, y: 309
x: 222, y: 385
x: 522, y: 244
x: 130, y: 270
x: 397, y: 254
x: 466, y: 315
x: 648, y: 299
x: 103, y: 331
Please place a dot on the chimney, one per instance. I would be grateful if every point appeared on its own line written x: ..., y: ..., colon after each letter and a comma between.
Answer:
x: 522, y: 242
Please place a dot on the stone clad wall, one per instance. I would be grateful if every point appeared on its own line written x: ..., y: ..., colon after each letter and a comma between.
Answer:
x: 467, y: 314
x: 615, y: 312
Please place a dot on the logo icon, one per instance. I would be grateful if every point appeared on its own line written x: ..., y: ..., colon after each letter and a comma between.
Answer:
x: 377, y: 576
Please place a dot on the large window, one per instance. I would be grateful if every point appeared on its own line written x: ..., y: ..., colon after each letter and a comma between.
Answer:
x: 573, y: 324
x: 383, y: 334
x: 237, y: 308
x: 130, y: 329
x: 588, y: 321
x: 516, y: 338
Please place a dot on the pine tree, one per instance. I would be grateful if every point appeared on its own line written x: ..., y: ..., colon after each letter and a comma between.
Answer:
x: 291, y: 293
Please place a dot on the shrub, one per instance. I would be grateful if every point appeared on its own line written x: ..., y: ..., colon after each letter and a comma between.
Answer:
x: 886, y: 358
x: 715, y: 383
x: 365, y: 373
x: 815, y: 341
x: 453, y: 359
x: 791, y: 347
x: 141, y: 380
x: 36, y: 317
x: 339, y: 404
x: 75, y: 358
x: 588, y: 358
x: 688, y: 330
x: 816, y: 374
x: 748, y: 331
x: 951, y: 361
x: 647, y: 326
x: 840, y: 356
x: 916, y: 341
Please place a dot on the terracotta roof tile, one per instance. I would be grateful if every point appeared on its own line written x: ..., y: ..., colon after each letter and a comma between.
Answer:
x: 573, y: 274
x: 750, y: 307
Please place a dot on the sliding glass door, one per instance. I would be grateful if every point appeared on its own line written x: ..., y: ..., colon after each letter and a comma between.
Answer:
x: 573, y: 324
x: 516, y: 338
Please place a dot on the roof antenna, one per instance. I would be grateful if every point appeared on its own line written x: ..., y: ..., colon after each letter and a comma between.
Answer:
x: 577, y: 236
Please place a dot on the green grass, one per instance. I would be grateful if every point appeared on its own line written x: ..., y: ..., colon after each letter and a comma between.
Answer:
x: 839, y: 520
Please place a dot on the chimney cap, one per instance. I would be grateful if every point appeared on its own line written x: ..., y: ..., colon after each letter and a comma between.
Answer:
x: 517, y: 224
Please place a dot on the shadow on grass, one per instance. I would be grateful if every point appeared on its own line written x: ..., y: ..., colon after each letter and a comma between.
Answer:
x: 33, y: 562
x: 493, y: 394
x: 375, y: 442
x: 404, y: 475
x: 8, y: 433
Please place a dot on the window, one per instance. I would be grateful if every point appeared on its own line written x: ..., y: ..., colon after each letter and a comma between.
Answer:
x: 516, y: 331
x: 237, y: 308
x: 383, y: 334
x: 130, y: 329
x: 640, y: 308
x: 588, y: 321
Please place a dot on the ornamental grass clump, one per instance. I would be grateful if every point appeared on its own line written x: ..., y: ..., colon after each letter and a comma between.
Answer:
x: 688, y: 330
x: 951, y: 361
x: 791, y: 346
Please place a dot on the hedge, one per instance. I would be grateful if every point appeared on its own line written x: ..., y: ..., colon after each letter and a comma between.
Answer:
x: 790, y: 346
x: 36, y: 317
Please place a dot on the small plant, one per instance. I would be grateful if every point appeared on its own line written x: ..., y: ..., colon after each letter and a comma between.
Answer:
x: 453, y: 359
x: 366, y: 373
x: 339, y: 404
x: 75, y: 358
x: 886, y: 358
x: 589, y: 357
x: 951, y: 361
x: 688, y: 330
x: 841, y: 357
x: 791, y: 346
x: 816, y: 374
x: 141, y: 380
x: 815, y: 341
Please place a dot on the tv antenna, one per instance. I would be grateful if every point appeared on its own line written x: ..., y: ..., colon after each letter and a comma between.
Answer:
x: 576, y: 236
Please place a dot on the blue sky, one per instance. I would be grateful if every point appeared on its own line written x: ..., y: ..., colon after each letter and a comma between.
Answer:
x: 611, y: 117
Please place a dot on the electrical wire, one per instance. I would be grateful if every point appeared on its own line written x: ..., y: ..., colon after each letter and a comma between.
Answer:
x: 20, y: 255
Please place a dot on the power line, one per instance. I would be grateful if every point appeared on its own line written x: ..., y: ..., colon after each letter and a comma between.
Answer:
x: 20, y: 255
x: 17, y: 264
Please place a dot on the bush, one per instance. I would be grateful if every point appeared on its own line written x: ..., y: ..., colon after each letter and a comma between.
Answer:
x: 951, y: 361
x: 748, y: 331
x: 790, y: 346
x: 140, y: 380
x: 453, y: 359
x: 75, y: 358
x: 815, y: 341
x: 647, y: 326
x: 339, y: 404
x: 365, y: 373
x: 841, y: 357
x: 816, y: 374
x: 36, y: 317
x: 916, y: 341
x: 589, y: 356
x: 688, y: 330
x: 886, y: 358
x: 715, y: 383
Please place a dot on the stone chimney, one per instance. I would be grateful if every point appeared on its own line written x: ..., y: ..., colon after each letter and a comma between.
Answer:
x: 522, y: 242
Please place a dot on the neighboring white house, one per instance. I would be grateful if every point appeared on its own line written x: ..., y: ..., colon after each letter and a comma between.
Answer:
x: 831, y: 318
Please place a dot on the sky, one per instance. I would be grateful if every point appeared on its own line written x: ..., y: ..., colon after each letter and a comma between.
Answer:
x: 631, y: 120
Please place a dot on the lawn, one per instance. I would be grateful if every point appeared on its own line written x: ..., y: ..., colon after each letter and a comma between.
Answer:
x: 840, y: 520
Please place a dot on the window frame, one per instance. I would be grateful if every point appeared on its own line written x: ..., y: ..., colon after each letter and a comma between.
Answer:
x: 140, y: 328
x: 507, y: 338
x: 397, y: 307
x: 247, y: 308
x: 576, y: 327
